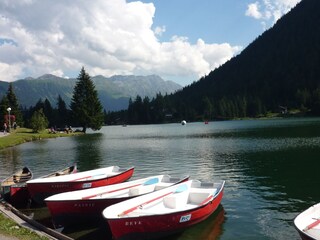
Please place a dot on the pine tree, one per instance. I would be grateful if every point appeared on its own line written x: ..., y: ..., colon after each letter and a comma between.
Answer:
x: 63, y: 113
x: 48, y: 111
x: 207, y: 108
x: 14, y: 105
x: 86, y: 107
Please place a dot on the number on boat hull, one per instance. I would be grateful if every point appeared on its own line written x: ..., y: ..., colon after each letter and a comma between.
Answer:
x: 185, y: 218
x: 86, y: 185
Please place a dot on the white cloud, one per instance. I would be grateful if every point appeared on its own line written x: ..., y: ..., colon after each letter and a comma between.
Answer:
x: 269, y: 10
x: 8, y: 71
x: 253, y: 11
x: 159, y: 30
x: 107, y: 37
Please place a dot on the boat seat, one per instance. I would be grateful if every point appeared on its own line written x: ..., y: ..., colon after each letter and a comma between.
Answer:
x: 141, y: 190
x: 197, y: 197
x: 21, y: 177
x: 175, y: 200
x: 162, y: 185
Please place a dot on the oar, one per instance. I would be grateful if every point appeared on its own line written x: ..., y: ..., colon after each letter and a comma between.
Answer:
x: 179, y: 189
x: 315, y: 223
x: 148, y: 182
x: 77, y: 179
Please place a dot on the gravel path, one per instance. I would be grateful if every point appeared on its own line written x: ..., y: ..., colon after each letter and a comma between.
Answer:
x: 4, y: 135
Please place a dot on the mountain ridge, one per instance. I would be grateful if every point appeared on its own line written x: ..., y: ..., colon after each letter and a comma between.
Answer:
x: 114, y: 92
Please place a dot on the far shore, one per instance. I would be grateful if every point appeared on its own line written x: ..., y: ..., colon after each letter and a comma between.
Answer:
x: 22, y: 135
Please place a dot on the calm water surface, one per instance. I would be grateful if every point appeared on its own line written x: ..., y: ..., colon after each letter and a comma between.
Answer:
x: 271, y: 168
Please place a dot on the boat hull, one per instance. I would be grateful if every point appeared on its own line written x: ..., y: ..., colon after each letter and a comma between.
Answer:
x: 66, y: 213
x: 5, y: 193
x: 307, y: 223
x: 19, y: 195
x: 41, y: 190
x: 159, y: 226
x: 13, y: 188
x: 304, y: 236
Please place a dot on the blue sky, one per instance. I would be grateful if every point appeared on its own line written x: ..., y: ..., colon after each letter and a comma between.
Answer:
x: 179, y: 40
x: 210, y: 20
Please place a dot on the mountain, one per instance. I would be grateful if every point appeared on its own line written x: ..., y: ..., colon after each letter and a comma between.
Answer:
x: 279, y: 68
x: 114, y: 92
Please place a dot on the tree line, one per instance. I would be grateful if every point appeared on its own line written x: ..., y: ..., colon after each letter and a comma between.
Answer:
x: 177, y: 107
x: 85, y: 110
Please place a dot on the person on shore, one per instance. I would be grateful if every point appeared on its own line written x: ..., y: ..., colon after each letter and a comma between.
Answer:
x: 5, y: 128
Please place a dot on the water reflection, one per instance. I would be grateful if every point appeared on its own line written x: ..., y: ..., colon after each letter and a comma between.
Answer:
x: 210, y: 229
x: 88, y: 151
x: 10, y: 161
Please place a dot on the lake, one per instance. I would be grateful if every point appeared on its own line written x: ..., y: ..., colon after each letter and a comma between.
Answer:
x: 271, y: 168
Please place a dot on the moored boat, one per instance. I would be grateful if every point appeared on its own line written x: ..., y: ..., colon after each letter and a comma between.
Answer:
x: 75, y: 206
x: 164, y: 212
x: 19, y: 193
x: 65, y: 171
x: 307, y: 223
x: 17, y: 179
x: 42, y: 188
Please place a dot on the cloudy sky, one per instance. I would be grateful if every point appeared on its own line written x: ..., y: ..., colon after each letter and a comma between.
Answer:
x: 179, y: 40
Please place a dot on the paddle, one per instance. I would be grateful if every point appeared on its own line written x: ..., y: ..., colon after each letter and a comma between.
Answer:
x: 315, y: 223
x: 148, y: 182
x: 179, y: 189
x: 77, y: 179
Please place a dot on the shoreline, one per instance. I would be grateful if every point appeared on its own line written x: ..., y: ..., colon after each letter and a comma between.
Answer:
x: 14, y: 227
x: 23, y: 135
x: 19, y: 226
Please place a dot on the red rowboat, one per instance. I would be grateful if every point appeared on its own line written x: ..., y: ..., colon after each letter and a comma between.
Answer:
x: 164, y: 212
x: 66, y: 171
x: 19, y: 193
x: 308, y: 223
x: 42, y: 188
x: 73, y: 207
x: 18, y: 181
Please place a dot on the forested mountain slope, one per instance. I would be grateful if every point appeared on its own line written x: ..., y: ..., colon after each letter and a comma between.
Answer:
x: 280, y: 68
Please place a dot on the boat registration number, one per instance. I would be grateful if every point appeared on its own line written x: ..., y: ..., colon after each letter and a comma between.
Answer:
x: 185, y: 218
x: 86, y: 185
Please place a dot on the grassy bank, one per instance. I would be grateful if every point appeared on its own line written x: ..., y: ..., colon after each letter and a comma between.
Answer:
x: 22, y: 135
x: 12, y: 229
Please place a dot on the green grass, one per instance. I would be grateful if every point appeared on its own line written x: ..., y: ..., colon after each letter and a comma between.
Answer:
x: 10, y: 228
x: 22, y: 135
